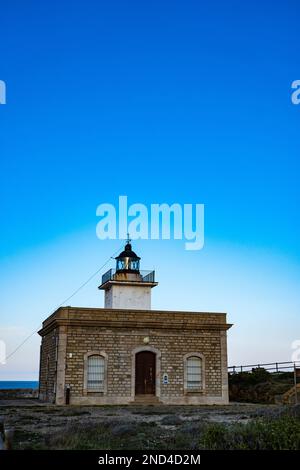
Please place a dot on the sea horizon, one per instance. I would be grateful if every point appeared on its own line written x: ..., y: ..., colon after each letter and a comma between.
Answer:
x: 14, y: 384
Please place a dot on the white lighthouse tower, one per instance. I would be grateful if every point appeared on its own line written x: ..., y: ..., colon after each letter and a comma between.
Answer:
x: 126, y: 286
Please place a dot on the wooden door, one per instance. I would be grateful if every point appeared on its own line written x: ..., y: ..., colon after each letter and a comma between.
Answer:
x: 145, y: 373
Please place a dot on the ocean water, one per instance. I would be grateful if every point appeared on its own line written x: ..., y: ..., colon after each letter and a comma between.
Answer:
x: 7, y: 384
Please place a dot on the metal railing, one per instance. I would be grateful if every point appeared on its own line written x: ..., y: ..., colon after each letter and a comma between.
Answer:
x: 271, y: 366
x: 145, y: 276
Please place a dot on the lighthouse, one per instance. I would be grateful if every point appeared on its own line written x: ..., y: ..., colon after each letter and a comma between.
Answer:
x: 126, y: 286
x: 127, y: 353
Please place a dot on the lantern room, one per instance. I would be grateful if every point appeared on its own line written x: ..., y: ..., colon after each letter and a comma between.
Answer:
x: 128, y: 261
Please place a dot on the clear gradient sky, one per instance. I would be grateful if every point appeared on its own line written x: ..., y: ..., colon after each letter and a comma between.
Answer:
x: 186, y: 102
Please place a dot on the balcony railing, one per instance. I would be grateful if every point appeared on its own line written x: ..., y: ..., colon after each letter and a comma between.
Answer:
x: 146, y: 276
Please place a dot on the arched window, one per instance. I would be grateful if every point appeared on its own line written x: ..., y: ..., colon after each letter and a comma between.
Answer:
x: 95, y: 373
x: 194, y: 373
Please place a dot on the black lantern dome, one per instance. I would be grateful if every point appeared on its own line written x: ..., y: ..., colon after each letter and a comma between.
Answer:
x: 128, y: 261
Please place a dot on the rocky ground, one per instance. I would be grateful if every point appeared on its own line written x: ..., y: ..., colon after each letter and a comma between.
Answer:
x: 41, y: 426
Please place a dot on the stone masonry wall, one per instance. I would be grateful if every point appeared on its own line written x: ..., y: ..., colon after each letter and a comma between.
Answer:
x: 118, y: 345
x: 48, y: 365
x: 119, y: 334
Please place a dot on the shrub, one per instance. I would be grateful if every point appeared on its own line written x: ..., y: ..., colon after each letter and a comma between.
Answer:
x: 275, y: 434
x: 171, y: 421
x: 258, y: 386
x: 124, y: 429
x: 257, y: 375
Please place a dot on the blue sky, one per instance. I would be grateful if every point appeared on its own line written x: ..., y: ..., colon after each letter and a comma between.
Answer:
x: 163, y: 102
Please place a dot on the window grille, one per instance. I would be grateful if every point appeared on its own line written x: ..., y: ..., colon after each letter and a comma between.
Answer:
x: 95, y: 373
x: 194, y: 373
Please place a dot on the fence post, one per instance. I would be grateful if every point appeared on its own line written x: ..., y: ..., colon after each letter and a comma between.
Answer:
x: 8, y: 438
x: 68, y: 392
x: 295, y: 382
x: 1, y: 435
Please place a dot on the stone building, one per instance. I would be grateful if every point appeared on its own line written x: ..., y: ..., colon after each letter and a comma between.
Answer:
x: 127, y: 353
